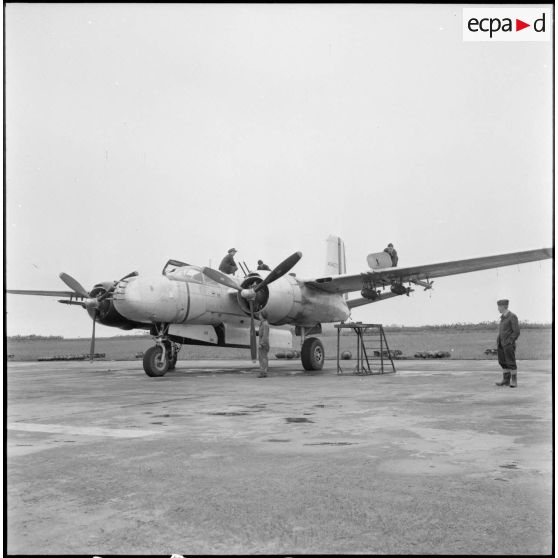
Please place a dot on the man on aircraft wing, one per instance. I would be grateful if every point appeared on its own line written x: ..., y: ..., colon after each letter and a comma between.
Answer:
x: 393, y: 254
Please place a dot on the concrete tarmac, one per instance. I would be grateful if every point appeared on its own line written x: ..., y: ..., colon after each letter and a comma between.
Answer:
x: 210, y: 459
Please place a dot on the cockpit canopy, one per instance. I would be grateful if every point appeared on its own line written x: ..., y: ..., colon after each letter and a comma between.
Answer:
x: 176, y: 270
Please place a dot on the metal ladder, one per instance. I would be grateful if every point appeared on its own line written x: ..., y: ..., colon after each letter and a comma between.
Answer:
x: 366, y: 345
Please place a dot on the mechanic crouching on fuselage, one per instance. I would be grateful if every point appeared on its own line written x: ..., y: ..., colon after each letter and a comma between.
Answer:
x: 228, y: 265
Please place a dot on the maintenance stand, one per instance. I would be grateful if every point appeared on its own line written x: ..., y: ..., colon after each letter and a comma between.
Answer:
x: 371, y: 347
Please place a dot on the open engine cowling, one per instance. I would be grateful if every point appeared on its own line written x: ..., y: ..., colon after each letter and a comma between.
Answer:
x: 106, y: 313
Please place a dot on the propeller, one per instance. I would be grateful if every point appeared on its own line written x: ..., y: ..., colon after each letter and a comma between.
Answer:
x: 74, y: 285
x: 253, y: 348
x: 92, y: 348
x: 280, y: 270
x: 250, y: 293
x: 220, y: 278
x: 90, y: 302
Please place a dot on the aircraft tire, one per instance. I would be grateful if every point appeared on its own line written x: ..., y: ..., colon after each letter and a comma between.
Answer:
x: 152, y: 364
x: 312, y: 354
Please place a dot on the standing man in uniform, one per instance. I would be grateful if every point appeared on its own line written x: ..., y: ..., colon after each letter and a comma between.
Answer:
x: 263, y: 344
x: 263, y: 266
x: 393, y: 254
x: 228, y: 265
x: 507, y: 336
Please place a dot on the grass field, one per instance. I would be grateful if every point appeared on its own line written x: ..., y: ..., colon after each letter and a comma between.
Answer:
x: 462, y: 344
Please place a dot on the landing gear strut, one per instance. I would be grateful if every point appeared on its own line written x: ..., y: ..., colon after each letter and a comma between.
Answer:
x: 161, y: 358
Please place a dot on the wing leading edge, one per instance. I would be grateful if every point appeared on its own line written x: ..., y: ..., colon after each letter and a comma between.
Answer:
x: 378, y: 279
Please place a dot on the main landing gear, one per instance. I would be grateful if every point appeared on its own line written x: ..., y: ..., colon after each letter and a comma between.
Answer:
x: 161, y: 358
x: 312, y: 354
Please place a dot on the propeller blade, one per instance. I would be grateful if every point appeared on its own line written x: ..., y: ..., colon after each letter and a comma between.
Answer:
x: 74, y: 285
x: 92, y: 349
x: 133, y: 274
x: 280, y: 270
x: 221, y: 278
x: 253, y: 350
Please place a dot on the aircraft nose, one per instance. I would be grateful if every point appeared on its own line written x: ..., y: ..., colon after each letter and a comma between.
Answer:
x: 151, y: 299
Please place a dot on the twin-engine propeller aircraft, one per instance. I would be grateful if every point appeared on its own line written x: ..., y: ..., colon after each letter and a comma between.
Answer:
x: 191, y: 305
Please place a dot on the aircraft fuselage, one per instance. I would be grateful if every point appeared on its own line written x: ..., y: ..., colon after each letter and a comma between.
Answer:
x: 186, y: 296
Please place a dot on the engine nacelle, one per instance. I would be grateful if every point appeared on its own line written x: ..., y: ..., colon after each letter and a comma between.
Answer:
x: 281, y: 299
x: 106, y: 313
x: 284, y: 301
x: 287, y: 301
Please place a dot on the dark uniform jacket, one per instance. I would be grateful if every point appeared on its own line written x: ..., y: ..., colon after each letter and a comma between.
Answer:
x: 228, y: 264
x: 394, y: 256
x: 509, y: 329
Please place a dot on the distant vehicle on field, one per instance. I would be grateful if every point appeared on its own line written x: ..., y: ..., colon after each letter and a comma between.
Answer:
x: 491, y: 352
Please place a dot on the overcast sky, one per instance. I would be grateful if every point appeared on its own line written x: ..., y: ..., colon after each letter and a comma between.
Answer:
x: 136, y: 133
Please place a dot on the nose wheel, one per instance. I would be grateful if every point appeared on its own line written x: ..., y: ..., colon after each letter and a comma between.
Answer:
x: 161, y: 358
x: 155, y: 362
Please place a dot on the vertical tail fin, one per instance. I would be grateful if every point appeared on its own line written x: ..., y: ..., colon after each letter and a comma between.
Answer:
x: 335, y: 256
x: 336, y: 264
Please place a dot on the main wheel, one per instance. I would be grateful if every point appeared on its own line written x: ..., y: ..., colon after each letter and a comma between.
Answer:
x: 312, y: 354
x: 153, y: 362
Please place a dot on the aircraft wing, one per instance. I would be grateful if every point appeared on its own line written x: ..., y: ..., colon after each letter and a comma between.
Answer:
x: 45, y: 293
x: 423, y: 273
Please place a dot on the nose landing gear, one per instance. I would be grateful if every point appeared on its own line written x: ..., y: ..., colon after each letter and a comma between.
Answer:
x: 161, y: 358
